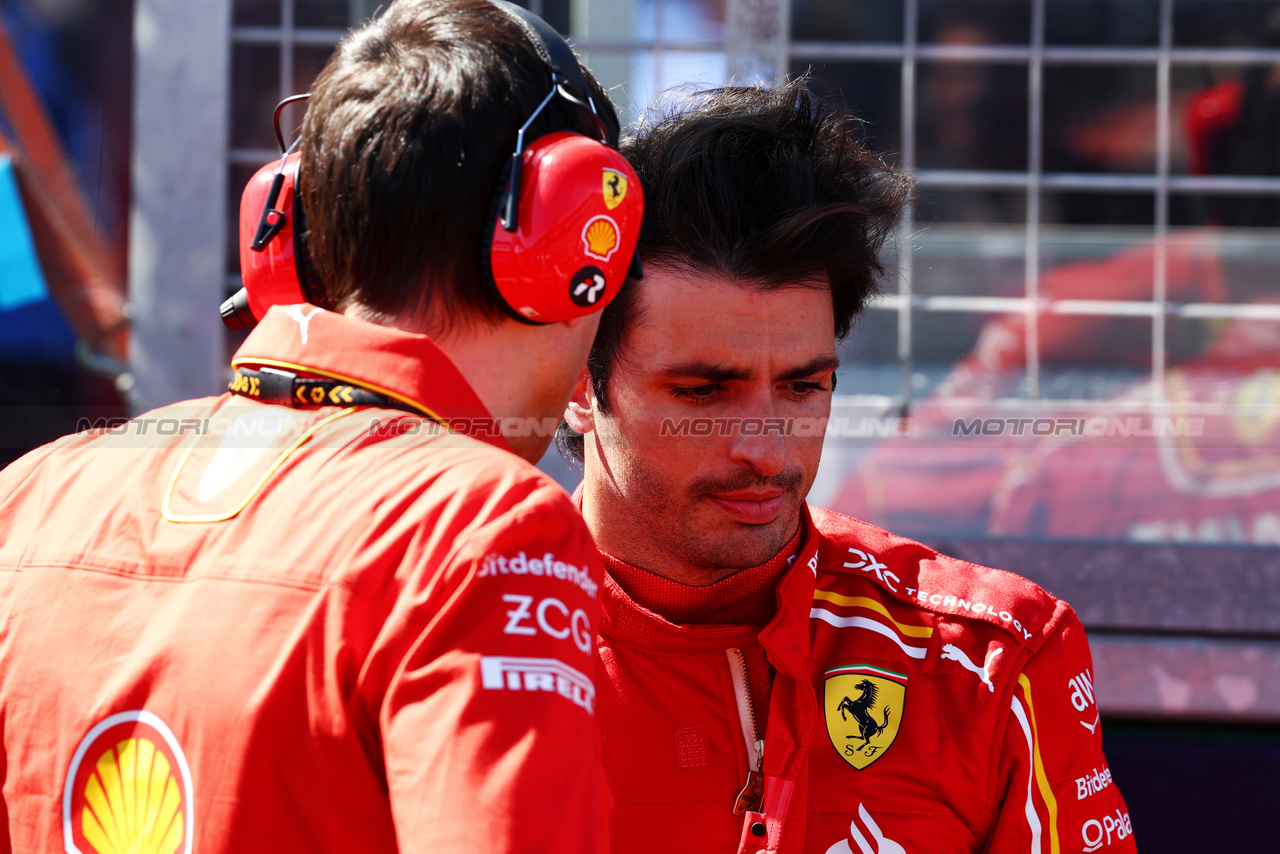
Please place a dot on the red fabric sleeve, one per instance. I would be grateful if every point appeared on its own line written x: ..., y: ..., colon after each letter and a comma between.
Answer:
x: 489, y: 731
x: 1058, y: 795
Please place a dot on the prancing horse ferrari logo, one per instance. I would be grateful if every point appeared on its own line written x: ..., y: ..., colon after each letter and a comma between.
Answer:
x: 863, y: 706
x: 615, y: 188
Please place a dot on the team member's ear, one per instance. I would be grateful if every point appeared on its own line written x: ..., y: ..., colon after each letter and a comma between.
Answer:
x: 580, y: 413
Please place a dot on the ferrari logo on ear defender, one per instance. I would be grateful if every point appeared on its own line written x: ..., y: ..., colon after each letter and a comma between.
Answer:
x: 615, y: 188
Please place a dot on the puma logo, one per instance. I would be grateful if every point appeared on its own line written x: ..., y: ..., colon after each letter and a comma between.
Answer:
x: 304, y: 320
x: 951, y: 652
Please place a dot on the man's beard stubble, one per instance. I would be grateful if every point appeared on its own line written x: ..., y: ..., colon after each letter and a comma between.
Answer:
x: 674, y: 512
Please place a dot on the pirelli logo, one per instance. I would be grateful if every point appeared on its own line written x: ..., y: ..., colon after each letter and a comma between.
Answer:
x: 507, y: 673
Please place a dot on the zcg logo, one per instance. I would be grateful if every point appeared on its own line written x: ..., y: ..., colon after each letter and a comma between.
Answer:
x: 526, y: 619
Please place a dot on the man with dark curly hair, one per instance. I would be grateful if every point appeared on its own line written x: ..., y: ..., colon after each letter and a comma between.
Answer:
x: 777, y: 677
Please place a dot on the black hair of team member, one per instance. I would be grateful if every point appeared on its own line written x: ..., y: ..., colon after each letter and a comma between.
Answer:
x: 769, y: 187
x: 408, y: 128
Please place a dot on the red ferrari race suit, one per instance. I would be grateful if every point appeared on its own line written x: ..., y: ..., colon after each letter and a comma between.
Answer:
x: 918, y: 705
x: 241, y: 625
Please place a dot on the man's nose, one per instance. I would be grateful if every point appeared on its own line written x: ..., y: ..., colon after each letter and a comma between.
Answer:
x: 759, y: 440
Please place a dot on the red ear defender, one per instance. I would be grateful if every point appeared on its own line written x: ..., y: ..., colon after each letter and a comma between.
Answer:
x: 580, y: 209
x: 268, y: 254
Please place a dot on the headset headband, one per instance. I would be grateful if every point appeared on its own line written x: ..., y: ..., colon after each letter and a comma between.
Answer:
x: 556, y: 54
x: 558, y: 57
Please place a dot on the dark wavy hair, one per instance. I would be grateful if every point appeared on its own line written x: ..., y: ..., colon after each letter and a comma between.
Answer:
x: 772, y: 188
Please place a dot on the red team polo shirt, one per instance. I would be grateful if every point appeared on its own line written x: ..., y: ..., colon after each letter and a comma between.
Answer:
x: 239, y: 625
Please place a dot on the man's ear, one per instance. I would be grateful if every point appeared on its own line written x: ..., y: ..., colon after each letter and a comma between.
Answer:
x: 580, y: 413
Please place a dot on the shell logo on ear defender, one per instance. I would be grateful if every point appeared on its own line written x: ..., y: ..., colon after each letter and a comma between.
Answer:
x: 560, y: 242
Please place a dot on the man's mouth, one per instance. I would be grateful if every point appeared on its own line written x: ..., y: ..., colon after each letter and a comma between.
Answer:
x: 751, y: 508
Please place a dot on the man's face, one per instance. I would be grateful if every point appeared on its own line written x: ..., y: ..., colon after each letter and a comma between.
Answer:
x: 714, y: 427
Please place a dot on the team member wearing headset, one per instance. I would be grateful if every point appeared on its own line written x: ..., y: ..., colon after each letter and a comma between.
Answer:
x: 336, y: 609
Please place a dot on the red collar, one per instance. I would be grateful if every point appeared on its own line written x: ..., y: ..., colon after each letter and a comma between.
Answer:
x: 404, y: 366
x: 748, y: 597
x: 786, y: 637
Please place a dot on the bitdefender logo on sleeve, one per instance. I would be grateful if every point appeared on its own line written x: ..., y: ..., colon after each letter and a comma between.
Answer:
x: 493, y: 565
x: 128, y: 789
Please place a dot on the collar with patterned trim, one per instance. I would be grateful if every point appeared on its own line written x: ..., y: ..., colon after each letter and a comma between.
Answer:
x: 404, y: 366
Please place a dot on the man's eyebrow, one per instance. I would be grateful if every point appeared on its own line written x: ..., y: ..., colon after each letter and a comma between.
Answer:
x: 813, y: 366
x: 712, y: 371
x: 719, y: 372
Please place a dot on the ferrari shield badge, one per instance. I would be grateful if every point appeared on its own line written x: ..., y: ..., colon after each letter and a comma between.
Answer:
x: 615, y: 188
x: 863, y: 705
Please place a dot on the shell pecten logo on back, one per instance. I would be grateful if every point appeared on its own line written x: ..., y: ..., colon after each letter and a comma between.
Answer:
x: 128, y: 790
